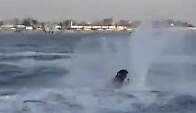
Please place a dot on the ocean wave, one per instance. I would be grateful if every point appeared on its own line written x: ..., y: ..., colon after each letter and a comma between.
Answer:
x: 73, y: 101
x: 13, y: 75
x: 33, y: 55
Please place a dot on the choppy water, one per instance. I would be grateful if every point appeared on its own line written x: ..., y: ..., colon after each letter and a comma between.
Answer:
x: 70, y: 74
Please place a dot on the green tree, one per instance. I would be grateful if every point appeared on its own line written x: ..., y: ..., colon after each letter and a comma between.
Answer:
x: 26, y: 22
x: 1, y: 23
x: 43, y: 26
x: 34, y: 22
x: 61, y: 24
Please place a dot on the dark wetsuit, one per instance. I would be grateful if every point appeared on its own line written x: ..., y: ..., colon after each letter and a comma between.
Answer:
x: 120, y: 78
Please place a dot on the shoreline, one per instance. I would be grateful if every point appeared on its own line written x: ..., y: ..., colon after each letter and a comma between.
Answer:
x: 64, y: 32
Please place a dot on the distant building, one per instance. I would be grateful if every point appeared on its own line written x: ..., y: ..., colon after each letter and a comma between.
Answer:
x: 7, y: 26
x: 190, y: 25
x: 20, y: 26
x: 96, y: 27
x: 29, y: 28
x: 120, y: 28
x: 76, y: 27
x: 8, y: 22
x: 51, y: 27
x: 67, y: 24
x: 172, y: 23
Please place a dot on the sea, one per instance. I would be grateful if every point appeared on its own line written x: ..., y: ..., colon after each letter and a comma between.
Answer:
x: 71, y: 73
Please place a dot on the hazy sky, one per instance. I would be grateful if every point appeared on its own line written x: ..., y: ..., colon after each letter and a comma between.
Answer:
x: 97, y: 9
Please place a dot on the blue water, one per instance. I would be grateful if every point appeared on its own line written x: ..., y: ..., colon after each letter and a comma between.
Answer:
x: 69, y: 73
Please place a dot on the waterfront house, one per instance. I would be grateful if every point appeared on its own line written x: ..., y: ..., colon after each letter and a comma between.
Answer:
x: 29, y: 28
x: 7, y: 26
x: 52, y: 27
x: 20, y: 26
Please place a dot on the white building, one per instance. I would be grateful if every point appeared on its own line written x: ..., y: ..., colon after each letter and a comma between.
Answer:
x: 57, y: 27
x: 20, y: 26
x: 76, y: 27
x: 29, y: 28
x: 111, y: 27
x: 96, y: 27
x: 7, y: 26
x: 121, y: 28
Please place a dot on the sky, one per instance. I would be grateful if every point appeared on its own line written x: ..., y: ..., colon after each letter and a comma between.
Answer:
x: 98, y: 9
